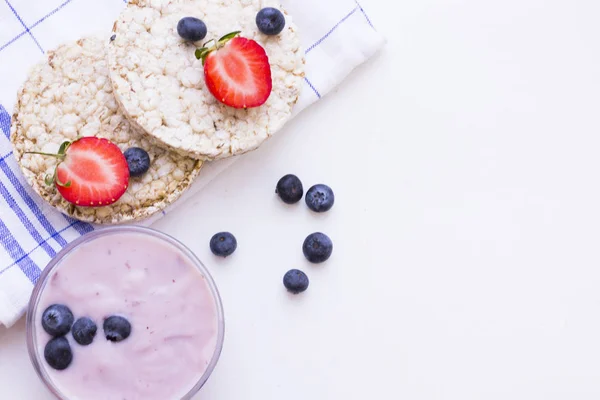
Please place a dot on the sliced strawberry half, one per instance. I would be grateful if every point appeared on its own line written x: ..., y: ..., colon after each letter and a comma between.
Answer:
x: 237, y: 71
x: 96, y: 170
x: 92, y: 172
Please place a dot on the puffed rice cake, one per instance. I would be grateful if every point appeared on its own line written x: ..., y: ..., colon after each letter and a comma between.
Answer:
x: 70, y: 95
x: 160, y: 84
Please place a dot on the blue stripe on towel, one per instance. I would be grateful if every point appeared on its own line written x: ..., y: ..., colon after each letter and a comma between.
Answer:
x: 16, y: 252
x: 24, y: 220
x: 24, y: 26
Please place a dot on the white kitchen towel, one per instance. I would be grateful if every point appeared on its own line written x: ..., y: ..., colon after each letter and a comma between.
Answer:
x: 337, y: 35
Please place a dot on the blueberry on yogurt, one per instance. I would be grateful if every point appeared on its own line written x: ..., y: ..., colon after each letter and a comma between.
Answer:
x: 116, y: 328
x: 58, y: 353
x: 84, y: 330
x: 57, y: 320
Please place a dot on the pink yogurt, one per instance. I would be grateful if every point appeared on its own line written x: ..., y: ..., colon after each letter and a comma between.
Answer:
x: 160, y: 287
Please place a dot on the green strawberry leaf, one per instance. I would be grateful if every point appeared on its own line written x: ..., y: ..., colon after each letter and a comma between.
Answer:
x: 204, y: 57
x: 229, y: 36
x: 64, y: 147
x: 201, y: 53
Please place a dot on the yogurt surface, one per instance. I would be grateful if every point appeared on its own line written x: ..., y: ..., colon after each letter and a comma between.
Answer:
x: 168, y: 301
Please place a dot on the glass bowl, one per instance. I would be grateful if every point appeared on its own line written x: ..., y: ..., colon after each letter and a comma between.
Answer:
x: 35, y: 355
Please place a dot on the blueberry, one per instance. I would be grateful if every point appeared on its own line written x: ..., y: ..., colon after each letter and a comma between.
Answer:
x: 192, y: 29
x: 317, y: 247
x: 320, y: 198
x: 270, y: 21
x: 295, y: 281
x: 138, y: 161
x: 58, y: 353
x: 57, y: 320
x: 290, y: 189
x: 223, y: 244
x: 84, y: 331
x: 116, y: 328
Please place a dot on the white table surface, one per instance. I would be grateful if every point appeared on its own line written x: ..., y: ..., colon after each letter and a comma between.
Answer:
x: 466, y: 265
